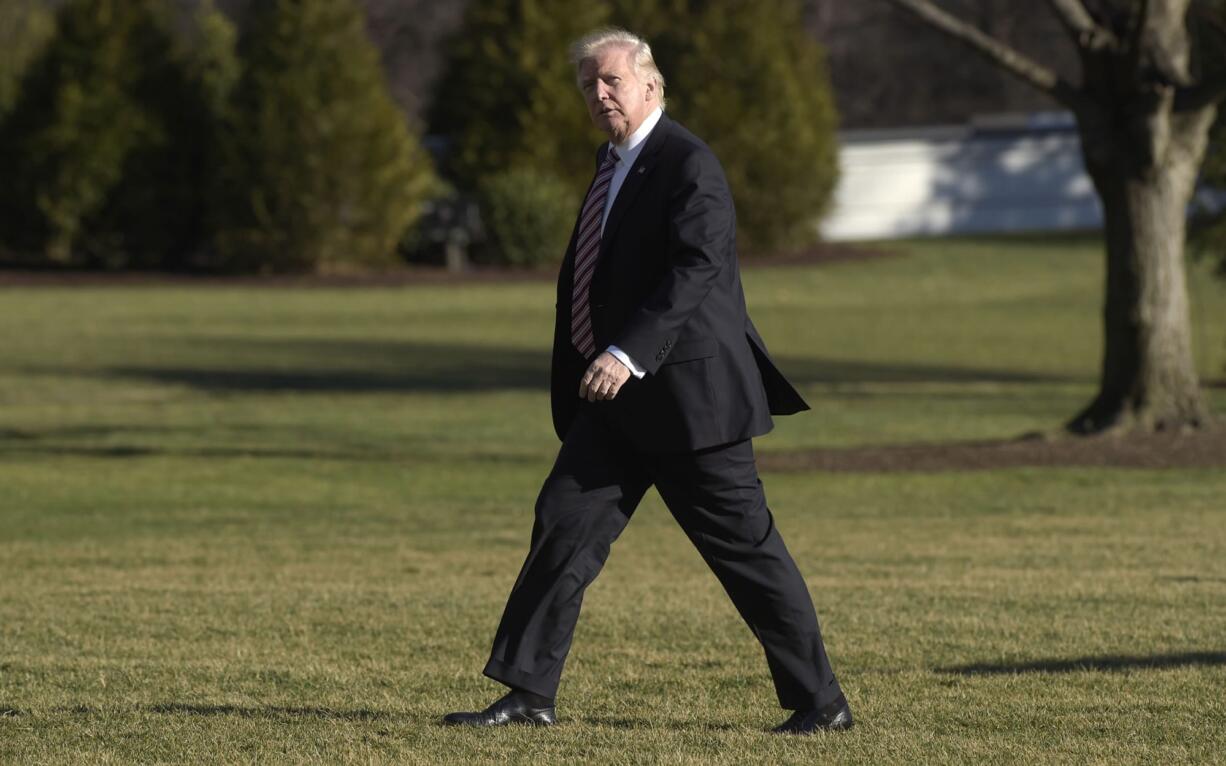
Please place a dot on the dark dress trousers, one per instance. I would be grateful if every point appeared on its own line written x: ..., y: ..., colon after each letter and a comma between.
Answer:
x: 667, y: 291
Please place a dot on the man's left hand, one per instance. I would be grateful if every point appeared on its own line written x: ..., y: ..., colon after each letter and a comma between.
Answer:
x: 603, y: 379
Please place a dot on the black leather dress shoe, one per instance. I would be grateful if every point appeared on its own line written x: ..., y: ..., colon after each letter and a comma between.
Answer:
x: 515, y: 707
x: 833, y: 717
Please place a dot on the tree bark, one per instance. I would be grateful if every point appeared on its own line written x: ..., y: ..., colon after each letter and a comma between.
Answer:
x: 1144, y: 123
x: 1145, y: 169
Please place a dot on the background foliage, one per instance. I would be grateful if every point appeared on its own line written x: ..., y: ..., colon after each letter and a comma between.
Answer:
x: 138, y: 136
x: 754, y: 85
x: 745, y: 77
x: 319, y: 170
x: 25, y: 27
x: 86, y: 105
x: 508, y: 98
x: 152, y: 135
x: 528, y: 216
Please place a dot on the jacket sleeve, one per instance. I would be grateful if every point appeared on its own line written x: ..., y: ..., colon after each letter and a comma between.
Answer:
x: 701, y: 232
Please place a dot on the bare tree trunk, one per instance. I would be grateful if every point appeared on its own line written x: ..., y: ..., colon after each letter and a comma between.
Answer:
x: 1144, y: 121
x: 1145, y: 172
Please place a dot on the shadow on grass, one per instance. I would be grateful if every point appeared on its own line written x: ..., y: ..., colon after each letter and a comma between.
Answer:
x: 325, y: 366
x: 1191, y: 578
x: 345, y: 366
x: 147, y: 441
x: 270, y: 711
x: 806, y: 370
x: 1108, y: 663
x: 1162, y: 450
x: 655, y: 723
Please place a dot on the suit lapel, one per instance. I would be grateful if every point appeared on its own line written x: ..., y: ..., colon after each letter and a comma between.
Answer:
x: 634, y: 182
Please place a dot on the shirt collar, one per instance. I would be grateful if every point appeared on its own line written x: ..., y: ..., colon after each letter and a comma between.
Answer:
x: 629, y: 148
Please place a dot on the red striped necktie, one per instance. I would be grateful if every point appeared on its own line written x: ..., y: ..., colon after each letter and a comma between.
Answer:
x: 586, y: 250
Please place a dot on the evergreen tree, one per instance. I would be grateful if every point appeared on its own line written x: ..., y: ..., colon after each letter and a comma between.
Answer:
x: 320, y: 169
x: 75, y: 122
x: 744, y: 76
x: 108, y: 141
x: 158, y: 214
x: 749, y: 80
x: 25, y: 27
x: 508, y: 96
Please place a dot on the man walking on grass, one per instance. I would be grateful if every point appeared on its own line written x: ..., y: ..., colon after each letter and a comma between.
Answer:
x: 659, y: 378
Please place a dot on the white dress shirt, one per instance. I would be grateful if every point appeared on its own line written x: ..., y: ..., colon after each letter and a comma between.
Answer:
x: 628, y: 151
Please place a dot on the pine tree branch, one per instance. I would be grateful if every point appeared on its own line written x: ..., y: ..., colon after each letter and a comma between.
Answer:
x: 995, y: 51
x: 1086, y: 32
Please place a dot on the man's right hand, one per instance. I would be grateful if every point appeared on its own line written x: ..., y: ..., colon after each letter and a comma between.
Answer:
x: 604, y: 378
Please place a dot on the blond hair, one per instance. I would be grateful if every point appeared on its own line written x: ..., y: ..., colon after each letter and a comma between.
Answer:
x: 593, y: 42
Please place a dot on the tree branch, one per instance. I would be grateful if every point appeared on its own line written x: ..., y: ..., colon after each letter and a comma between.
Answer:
x: 1134, y: 32
x: 997, y: 52
x: 1211, y: 88
x: 1085, y: 31
x: 1203, y: 94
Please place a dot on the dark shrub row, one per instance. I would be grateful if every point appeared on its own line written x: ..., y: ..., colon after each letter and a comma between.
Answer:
x: 140, y: 139
x: 137, y: 134
x: 745, y: 77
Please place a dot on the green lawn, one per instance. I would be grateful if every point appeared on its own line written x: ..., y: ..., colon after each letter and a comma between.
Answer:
x: 246, y: 524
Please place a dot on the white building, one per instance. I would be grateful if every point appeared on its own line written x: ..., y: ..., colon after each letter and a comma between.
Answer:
x: 1003, y: 174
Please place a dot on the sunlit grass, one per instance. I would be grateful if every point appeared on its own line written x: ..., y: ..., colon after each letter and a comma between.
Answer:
x: 278, y: 525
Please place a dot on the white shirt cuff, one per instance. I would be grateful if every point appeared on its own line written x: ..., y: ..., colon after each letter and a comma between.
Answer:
x: 625, y: 359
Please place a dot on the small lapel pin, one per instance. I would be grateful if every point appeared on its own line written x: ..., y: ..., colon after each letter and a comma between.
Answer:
x: 642, y: 170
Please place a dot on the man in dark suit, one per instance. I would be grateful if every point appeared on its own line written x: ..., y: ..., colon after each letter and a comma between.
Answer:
x: 681, y: 384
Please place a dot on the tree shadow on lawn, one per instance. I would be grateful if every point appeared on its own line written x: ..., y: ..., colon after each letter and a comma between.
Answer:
x: 622, y: 722
x: 807, y: 370
x: 346, y: 366
x: 327, y: 366
x: 269, y: 711
x: 1112, y: 663
x: 241, y: 711
x: 148, y: 441
x: 1201, y: 449
x: 179, y: 708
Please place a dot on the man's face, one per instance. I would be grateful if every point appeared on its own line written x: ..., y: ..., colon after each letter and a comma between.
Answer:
x: 617, y: 99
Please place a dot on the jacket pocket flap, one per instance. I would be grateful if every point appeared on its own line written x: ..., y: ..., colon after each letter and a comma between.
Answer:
x: 688, y: 350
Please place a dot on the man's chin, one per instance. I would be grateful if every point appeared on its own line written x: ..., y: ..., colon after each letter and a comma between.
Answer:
x: 614, y: 129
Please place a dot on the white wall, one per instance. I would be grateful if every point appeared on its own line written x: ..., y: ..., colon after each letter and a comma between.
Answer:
x: 1015, y: 175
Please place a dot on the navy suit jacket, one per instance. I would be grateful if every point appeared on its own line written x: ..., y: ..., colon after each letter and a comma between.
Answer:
x: 667, y: 291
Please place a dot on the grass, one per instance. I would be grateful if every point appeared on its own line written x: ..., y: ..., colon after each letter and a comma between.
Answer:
x: 278, y: 525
